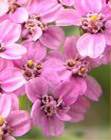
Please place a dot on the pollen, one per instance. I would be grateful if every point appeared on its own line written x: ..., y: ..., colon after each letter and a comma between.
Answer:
x: 30, y: 64
x: 71, y: 63
x: 94, y: 17
x: 82, y: 71
x: 2, y: 120
x: 93, y: 23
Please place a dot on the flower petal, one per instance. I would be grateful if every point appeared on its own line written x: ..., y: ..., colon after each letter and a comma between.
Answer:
x: 78, y: 109
x: 87, y: 6
x: 20, y: 122
x: 9, y: 31
x: 53, y: 127
x: 53, y: 37
x: 13, y: 51
x: 36, y: 88
x: 14, y: 81
x: 15, y: 102
x: 67, y: 17
x: 32, y: 48
x: 5, y: 105
x: 63, y: 116
x: 91, y: 45
x: 20, y: 15
x: 94, y: 90
x: 70, y: 90
x: 70, y: 49
x: 38, y: 33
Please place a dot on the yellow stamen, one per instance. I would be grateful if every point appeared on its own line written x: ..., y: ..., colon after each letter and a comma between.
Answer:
x: 94, y: 18
x: 30, y: 63
x: 2, y: 120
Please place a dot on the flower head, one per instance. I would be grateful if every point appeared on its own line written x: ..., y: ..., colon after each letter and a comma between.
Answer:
x: 94, y: 21
x: 52, y: 108
x: 70, y: 63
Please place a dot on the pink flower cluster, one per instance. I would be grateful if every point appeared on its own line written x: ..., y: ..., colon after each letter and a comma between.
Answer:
x: 38, y: 60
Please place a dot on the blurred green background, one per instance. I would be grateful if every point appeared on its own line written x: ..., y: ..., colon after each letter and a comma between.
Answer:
x: 96, y: 125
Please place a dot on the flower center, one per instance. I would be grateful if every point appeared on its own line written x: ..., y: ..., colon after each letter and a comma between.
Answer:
x: 83, y: 70
x: 4, y: 128
x: 32, y: 70
x: 93, y: 23
x: 32, y: 24
x: 71, y: 63
x: 48, y: 105
x: 78, y: 66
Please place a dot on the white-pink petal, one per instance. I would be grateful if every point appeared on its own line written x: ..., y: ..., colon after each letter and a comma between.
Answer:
x: 5, y: 105
x: 91, y: 45
x: 20, y: 15
x: 14, y: 81
x: 20, y: 122
x: 3, y: 7
x: 9, y: 31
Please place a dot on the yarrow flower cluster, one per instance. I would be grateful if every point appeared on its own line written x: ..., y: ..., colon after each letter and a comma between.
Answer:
x: 39, y: 61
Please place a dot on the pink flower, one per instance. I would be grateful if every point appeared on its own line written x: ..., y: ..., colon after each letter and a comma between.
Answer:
x: 40, y: 24
x: 31, y: 66
x: 96, y: 24
x: 70, y: 63
x: 37, y: 21
x: 9, y: 35
x: 13, y: 122
x: 94, y: 20
x: 51, y: 108
x: 73, y: 68
x: 36, y: 60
